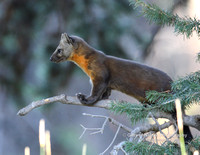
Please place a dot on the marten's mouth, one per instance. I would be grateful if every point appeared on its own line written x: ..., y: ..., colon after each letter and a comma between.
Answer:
x: 57, y: 60
x: 60, y: 60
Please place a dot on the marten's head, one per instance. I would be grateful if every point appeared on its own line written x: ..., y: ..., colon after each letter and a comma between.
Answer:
x: 67, y: 46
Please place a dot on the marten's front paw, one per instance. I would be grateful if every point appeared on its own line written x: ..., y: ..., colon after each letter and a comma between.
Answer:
x: 81, y: 97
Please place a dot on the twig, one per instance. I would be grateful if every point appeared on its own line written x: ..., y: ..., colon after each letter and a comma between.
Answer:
x: 156, y: 138
x: 152, y: 138
x: 174, y: 132
x: 118, y: 147
x: 96, y: 130
x: 84, y: 130
x: 100, y: 130
x: 159, y: 127
x: 112, y: 140
x: 89, y: 129
x: 114, y: 122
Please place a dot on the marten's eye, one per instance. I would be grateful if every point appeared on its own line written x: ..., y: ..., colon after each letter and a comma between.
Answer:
x: 59, y: 52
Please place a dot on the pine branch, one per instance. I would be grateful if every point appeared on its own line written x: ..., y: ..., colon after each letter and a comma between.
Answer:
x: 153, y: 13
x: 169, y: 148
x: 148, y: 147
x: 194, y: 144
x: 135, y: 112
x: 187, y: 89
x: 140, y: 113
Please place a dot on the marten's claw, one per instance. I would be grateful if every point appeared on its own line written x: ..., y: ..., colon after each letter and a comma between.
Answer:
x: 81, y: 97
x: 84, y: 100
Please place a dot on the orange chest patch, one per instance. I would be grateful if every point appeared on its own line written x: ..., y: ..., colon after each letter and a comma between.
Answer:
x: 82, y: 63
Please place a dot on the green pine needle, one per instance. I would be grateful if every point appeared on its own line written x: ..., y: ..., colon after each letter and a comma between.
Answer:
x: 195, y: 143
x: 143, y: 148
x: 135, y: 112
x: 187, y: 89
x: 169, y: 148
x: 153, y: 13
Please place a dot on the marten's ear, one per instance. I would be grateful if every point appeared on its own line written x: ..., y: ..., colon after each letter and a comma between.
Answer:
x: 69, y: 40
x: 66, y: 38
x: 63, y: 38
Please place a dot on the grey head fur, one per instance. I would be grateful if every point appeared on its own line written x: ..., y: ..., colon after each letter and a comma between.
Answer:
x: 66, y: 46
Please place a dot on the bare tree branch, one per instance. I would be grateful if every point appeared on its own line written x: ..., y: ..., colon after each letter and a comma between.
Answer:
x: 64, y: 99
x: 193, y: 121
x: 150, y: 127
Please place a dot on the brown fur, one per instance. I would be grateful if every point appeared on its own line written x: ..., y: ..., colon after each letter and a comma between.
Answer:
x: 108, y: 72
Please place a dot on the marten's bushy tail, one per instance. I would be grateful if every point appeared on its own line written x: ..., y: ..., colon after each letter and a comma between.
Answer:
x: 186, y: 130
x: 187, y: 134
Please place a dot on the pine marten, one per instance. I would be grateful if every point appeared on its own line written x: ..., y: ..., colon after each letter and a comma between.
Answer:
x: 109, y: 72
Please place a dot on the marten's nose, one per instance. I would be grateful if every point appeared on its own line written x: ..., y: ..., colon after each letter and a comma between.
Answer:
x: 51, y: 58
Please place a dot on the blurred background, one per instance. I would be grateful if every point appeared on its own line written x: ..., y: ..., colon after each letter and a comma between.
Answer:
x: 30, y: 32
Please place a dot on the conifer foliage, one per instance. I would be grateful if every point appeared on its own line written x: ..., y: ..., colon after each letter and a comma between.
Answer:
x: 187, y: 88
x: 153, y: 13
